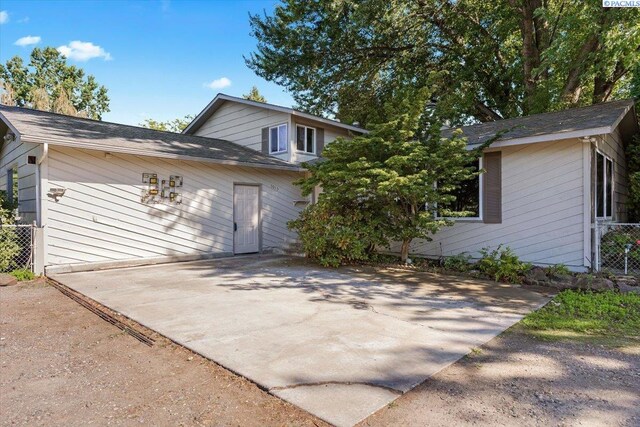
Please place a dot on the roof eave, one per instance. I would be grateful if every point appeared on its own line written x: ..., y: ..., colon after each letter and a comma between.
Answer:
x: 15, y: 131
x: 140, y: 152
x: 549, y: 137
x: 220, y: 98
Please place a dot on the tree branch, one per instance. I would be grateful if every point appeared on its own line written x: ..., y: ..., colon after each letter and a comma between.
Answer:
x: 484, y: 113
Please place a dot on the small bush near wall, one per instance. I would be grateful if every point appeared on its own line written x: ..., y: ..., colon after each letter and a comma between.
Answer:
x: 23, y: 274
x: 558, y: 271
x: 9, y: 247
x: 502, y: 264
x: 460, y: 262
x: 334, y: 238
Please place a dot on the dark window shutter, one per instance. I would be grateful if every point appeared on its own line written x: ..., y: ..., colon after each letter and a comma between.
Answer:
x: 319, y: 141
x: 492, y: 188
x: 265, y: 140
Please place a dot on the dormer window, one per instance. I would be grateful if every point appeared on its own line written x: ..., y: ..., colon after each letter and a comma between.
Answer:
x: 306, y: 139
x: 278, y: 139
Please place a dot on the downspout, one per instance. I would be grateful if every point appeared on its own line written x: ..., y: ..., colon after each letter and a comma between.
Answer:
x: 45, y: 153
x: 39, y: 257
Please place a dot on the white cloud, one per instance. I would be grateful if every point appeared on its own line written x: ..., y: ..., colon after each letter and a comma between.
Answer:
x: 4, y: 17
x: 27, y: 40
x: 23, y: 20
x: 83, y: 51
x: 220, y: 83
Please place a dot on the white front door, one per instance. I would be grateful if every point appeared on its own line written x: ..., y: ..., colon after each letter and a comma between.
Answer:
x: 246, y: 217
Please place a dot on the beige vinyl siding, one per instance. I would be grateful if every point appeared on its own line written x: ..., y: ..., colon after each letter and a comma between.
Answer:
x: 330, y: 135
x: 100, y: 217
x: 242, y: 124
x: 13, y: 154
x: 611, y: 145
x: 542, y: 209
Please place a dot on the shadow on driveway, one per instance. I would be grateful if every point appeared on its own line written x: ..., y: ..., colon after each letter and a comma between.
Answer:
x: 338, y: 343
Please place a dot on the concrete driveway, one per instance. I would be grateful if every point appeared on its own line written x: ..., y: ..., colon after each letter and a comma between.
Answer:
x: 338, y: 343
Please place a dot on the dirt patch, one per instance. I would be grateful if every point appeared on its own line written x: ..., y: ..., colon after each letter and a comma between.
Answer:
x: 60, y: 364
x: 518, y: 379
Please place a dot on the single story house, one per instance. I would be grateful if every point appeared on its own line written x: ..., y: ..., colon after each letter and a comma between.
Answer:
x: 106, y: 194
x: 547, y: 181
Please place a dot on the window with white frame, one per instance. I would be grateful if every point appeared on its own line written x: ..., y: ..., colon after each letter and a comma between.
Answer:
x: 467, y: 197
x: 604, y: 186
x: 305, y: 139
x: 278, y: 139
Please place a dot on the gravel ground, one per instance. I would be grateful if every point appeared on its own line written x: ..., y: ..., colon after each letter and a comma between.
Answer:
x: 62, y: 365
x: 519, y: 380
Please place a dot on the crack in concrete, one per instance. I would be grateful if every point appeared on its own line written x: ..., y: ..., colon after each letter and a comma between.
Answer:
x: 321, y: 383
x: 373, y: 309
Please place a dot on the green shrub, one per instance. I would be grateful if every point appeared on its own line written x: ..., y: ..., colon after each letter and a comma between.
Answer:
x: 9, y: 248
x: 334, y: 238
x: 384, y: 258
x: 502, y: 265
x: 557, y: 270
x: 606, y: 312
x: 460, y: 262
x: 22, y: 274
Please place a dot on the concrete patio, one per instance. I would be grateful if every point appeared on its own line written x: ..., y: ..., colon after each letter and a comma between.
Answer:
x: 338, y: 343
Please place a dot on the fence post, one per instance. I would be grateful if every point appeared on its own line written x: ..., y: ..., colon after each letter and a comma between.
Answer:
x: 596, y: 238
x: 33, y: 246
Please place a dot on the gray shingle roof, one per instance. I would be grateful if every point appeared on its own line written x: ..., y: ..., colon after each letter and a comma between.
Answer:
x: 556, y: 123
x: 41, y: 126
x: 221, y: 98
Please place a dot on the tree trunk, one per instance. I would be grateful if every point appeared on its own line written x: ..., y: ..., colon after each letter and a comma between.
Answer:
x: 484, y: 113
x: 533, y: 32
x: 404, y: 250
x: 572, y: 87
x: 603, y: 85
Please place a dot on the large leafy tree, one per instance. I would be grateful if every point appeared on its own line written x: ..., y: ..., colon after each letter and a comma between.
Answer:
x: 384, y: 182
x: 48, y: 83
x: 503, y: 59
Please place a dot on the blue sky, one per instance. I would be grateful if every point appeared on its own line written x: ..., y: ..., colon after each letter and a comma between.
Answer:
x: 155, y: 57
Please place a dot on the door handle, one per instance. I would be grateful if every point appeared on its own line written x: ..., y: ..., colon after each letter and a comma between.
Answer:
x: 235, y: 226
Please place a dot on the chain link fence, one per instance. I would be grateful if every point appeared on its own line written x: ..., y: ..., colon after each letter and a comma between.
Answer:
x: 617, y: 248
x: 17, y: 247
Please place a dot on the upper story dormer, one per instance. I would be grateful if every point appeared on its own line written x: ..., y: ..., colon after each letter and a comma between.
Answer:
x: 282, y: 132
